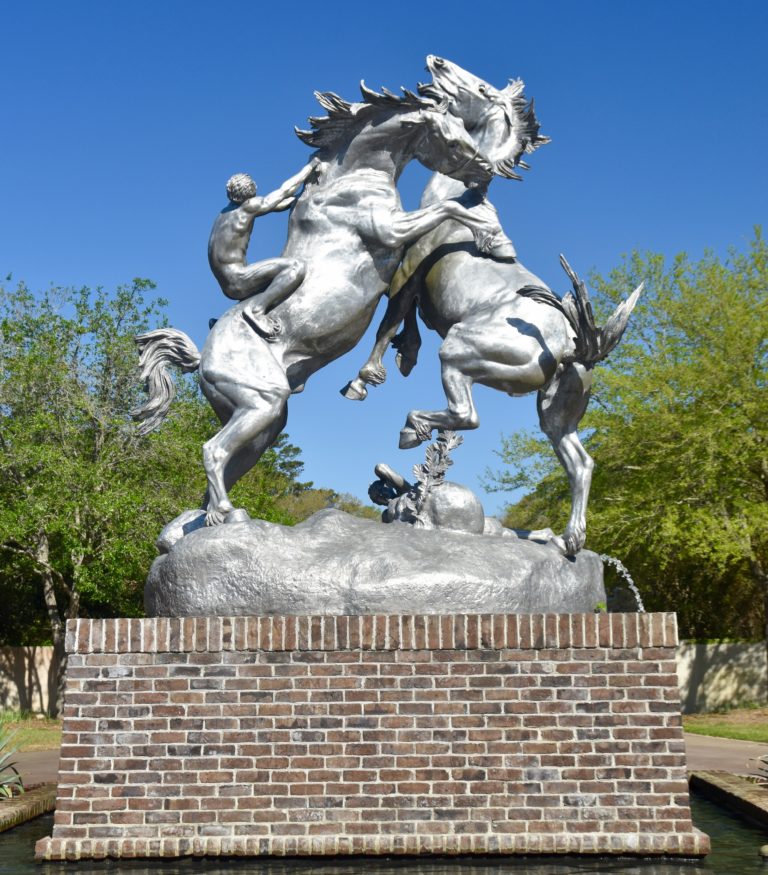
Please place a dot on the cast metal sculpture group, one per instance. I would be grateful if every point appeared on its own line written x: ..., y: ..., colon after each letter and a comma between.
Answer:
x: 350, y: 242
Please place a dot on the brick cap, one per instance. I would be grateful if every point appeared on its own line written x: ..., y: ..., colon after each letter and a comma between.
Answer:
x: 686, y: 844
x: 378, y: 633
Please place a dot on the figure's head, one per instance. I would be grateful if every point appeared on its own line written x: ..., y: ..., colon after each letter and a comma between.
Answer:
x: 240, y: 188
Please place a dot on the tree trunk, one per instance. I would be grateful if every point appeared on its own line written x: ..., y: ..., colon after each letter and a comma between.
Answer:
x: 57, y: 624
x: 760, y: 576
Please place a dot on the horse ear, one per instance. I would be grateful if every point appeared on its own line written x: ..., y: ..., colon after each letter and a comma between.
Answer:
x: 514, y: 88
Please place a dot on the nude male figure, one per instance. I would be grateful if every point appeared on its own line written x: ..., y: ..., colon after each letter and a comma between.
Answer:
x: 272, y: 280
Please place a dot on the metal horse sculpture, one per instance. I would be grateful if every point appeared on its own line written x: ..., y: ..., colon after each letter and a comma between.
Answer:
x: 502, y: 326
x: 349, y: 229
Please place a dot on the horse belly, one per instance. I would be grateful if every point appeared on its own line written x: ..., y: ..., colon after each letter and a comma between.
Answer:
x: 329, y: 313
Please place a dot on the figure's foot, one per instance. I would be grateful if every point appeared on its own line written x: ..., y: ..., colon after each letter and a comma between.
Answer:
x: 355, y: 390
x: 266, y: 326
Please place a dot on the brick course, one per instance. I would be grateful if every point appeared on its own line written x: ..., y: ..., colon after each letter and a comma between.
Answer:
x: 372, y: 735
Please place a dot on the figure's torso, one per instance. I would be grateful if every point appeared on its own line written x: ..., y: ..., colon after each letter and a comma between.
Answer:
x: 230, y: 235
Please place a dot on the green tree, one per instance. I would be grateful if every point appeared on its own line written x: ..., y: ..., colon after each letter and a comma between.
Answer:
x: 678, y: 428
x: 300, y: 506
x: 82, y: 495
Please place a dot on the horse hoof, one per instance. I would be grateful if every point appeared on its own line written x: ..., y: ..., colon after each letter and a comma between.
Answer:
x: 355, y: 390
x: 404, y: 364
x: 237, y: 515
x: 409, y: 438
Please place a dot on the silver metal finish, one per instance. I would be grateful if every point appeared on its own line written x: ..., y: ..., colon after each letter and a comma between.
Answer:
x: 273, y: 279
x: 347, y: 232
x: 432, y: 502
x: 502, y: 326
x: 335, y: 563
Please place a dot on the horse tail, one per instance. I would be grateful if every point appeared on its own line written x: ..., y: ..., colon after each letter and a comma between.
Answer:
x: 159, y: 349
x: 594, y: 343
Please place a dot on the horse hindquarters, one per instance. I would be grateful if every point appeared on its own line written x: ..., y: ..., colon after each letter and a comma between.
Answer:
x: 249, y: 392
x: 488, y: 348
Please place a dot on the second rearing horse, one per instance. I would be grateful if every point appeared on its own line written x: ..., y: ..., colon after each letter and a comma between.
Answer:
x: 502, y: 326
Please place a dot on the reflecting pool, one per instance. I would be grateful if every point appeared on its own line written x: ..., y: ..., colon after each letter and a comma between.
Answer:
x: 734, y: 852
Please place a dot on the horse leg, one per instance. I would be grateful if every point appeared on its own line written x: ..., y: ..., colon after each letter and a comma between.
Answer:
x: 561, y: 406
x: 373, y: 372
x: 483, y: 349
x: 460, y: 414
x: 258, y: 415
x: 408, y: 342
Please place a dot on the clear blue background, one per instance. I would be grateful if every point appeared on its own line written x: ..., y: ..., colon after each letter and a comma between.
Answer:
x: 122, y: 121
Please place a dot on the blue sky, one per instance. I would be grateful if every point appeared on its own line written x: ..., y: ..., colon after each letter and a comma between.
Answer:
x: 122, y: 121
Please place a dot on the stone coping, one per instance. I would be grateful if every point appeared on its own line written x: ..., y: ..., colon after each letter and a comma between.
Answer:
x: 380, y: 632
x: 28, y: 805
x: 689, y: 844
x: 735, y: 792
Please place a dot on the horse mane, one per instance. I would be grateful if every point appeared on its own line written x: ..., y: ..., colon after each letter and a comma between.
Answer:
x: 522, y: 118
x: 343, y: 116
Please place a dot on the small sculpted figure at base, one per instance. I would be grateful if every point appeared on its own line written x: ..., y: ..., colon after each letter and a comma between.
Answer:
x: 272, y: 279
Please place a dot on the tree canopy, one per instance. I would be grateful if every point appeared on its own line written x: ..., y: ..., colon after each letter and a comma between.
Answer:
x: 678, y: 428
x: 82, y: 495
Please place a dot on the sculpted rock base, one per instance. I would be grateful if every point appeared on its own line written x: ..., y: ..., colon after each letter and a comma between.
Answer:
x: 334, y: 563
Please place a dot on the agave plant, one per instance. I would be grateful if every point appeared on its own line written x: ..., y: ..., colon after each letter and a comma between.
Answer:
x: 10, y: 779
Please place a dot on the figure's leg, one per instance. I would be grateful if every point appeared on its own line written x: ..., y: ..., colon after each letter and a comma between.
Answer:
x: 373, y: 372
x: 268, y: 283
x: 258, y: 415
x: 561, y: 406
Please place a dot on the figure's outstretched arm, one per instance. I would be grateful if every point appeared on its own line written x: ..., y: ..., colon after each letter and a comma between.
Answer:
x: 273, y: 202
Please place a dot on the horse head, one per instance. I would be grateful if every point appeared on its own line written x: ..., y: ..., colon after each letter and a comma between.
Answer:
x: 444, y: 145
x: 501, y: 121
x: 406, y: 127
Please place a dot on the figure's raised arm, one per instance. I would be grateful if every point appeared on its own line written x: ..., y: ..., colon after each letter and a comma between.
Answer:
x: 275, y: 201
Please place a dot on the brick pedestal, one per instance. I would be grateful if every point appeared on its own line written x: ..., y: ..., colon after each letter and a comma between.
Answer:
x: 532, y: 734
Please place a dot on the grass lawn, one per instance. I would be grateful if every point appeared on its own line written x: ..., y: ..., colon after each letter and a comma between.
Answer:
x: 748, y: 724
x: 33, y: 733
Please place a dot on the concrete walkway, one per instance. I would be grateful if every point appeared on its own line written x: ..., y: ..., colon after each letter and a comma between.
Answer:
x: 725, y: 754
x: 704, y: 753
x: 38, y: 767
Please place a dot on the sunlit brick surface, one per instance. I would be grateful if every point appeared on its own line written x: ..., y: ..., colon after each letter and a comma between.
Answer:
x: 373, y: 735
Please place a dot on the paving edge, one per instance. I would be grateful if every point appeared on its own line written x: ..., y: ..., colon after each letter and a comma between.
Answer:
x: 689, y: 845
x: 31, y: 804
x: 735, y: 792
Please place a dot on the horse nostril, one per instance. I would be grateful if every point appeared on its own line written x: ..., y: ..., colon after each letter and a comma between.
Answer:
x: 439, y: 62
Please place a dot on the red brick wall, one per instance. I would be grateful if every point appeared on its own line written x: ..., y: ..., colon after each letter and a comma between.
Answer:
x: 401, y: 734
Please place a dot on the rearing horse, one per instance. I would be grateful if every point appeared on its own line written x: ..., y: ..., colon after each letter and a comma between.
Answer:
x: 349, y: 229
x: 502, y: 326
